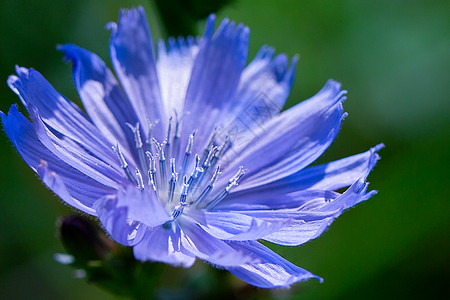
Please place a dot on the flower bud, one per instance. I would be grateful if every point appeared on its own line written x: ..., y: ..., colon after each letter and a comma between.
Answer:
x: 83, y: 239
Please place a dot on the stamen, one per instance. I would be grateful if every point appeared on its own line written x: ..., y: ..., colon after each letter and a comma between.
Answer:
x: 209, y: 187
x: 139, y: 146
x: 137, y: 134
x: 238, y: 175
x: 222, y: 150
x: 149, y: 139
x: 212, y: 151
x: 173, y: 180
x: 176, y: 136
x: 140, y: 180
x: 188, y: 152
x: 124, y: 164
x: 152, y: 170
x: 233, y: 182
x: 169, y: 129
x: 178, y: 210
x: 207, y: 163
x: 210, y: 144
x: 180, y: 207
x: 162, y: 164
x: 184, y: 190
x: 196, y: 172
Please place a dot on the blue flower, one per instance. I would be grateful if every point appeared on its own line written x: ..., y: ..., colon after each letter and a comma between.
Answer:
x: 190, y: 155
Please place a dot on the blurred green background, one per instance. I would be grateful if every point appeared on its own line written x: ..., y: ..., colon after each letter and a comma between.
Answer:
x: 394, y: 59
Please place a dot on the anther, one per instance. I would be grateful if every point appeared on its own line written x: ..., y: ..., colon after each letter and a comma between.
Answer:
x: 124, y: 164
x: 211, y: 152
x: 188, y: 152
x: 149, y: 139
x: 210, y: 144
x: 139, y: 180
x: 178, y: 210
x: 222, y: 150
x: 139, y: 146
x: 196, y: 172
x: 173, y: 180
x: 152, y: 170
x: 209, y: 187
x: 137, y: 134
x: 233, y: 182
x: 162, y: 163
x: 169, y: 130
x: 176, y: 136
x: 184, y: 190
x: 235, y: 179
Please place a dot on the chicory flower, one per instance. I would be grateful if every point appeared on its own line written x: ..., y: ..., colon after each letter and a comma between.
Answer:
x: 188, y: 155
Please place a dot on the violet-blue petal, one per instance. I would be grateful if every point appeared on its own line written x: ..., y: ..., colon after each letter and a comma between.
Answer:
x: 290, y: 141
x: 272, y: 271
x: 133, y: 59
x: 163, y: 244
x: 355, y: 194
x: 329, y: 176
x: 298, y: 233
x: 206, y: 247
x: 76, y: 156
x: 59, y: 113
x: 101, y: 95
x: 215, y: 75
x: 174, y: 66
x: 56, y: 184
x: 309, y: 183
x: 263, y: 89
x: 272, y: 199
x: 82, y: 188
x: 234, y: 226
x: 143, y: 206
x: 116, y: 222
x: 305, y: 226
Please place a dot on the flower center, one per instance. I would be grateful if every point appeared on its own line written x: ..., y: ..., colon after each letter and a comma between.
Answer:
x: 199, y: 173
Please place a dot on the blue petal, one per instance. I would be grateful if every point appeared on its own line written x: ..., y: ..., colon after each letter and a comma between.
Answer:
x: 102, y: 98
x: 291, y: 141
x: 59, y: 113
x: 235, y: 226
x: 76, y: 156
x: 305, y: 225
x: 215, y: 76
x: 174, y: 67
x: 82, y: 189
x: 143, y: 206
x: 133, y: 59
x: 56, y: 184
x: 115, y: 221
x: 163, y: 244
x: 266, y: 199
x: 355, y: 194
x: 299, y: 233
x: 307, y: 184
x: 263, y: 89
x: 271, y: 271
x: 330, y: 176
x: 204, y: 246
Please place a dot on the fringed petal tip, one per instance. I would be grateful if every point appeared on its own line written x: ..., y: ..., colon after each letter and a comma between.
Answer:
x: 209, y: 28
x: 111, y: 26
x: 332, y: 84
x: 374, y: 157
x: 272, y: 271
x: 70, y: 52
